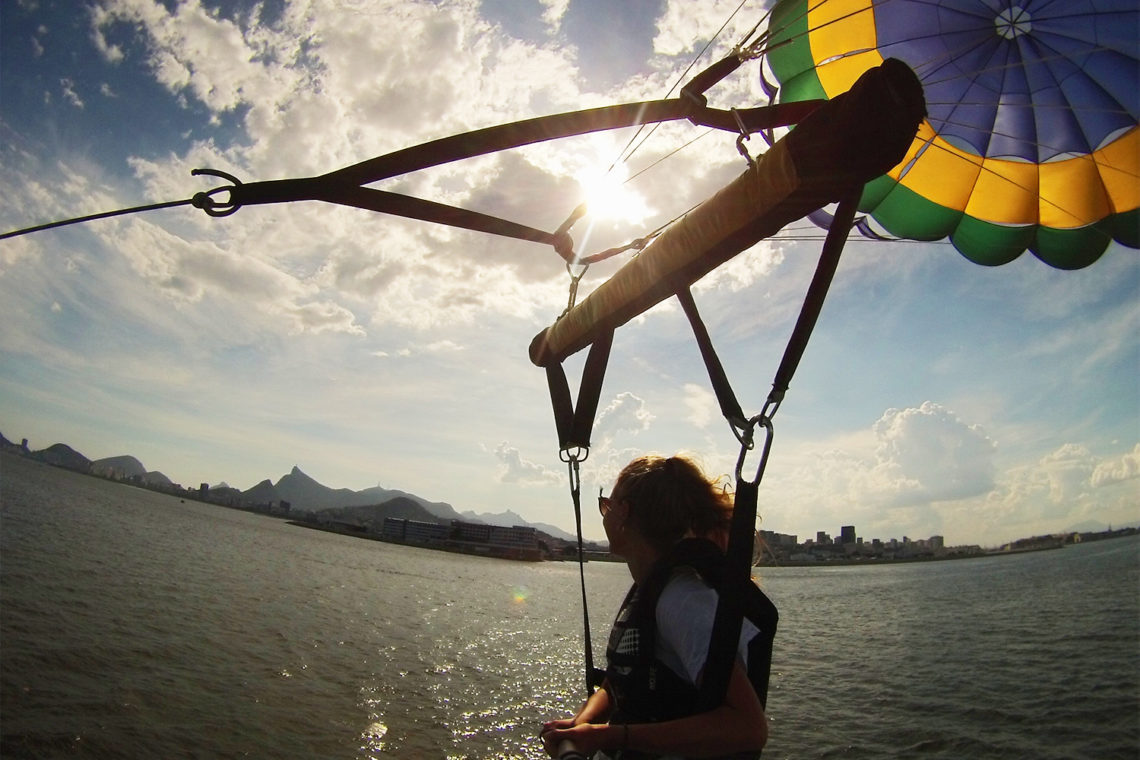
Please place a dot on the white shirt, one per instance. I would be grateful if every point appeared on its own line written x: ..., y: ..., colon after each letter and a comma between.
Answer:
x: 685, y: 613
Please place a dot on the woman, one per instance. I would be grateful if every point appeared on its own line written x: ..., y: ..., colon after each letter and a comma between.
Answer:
x: 649, y: 703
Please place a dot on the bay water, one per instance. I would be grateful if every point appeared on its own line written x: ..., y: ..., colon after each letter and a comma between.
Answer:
x: 137, y: 625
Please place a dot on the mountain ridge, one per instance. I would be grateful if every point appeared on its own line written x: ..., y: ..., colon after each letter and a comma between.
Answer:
x: 301, y: 491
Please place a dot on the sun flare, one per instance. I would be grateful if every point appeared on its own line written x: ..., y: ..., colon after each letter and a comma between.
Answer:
x: 608, y: 198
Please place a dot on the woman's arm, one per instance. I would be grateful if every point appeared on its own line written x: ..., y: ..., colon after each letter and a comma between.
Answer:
x: 595, y: 710
x: 739, y: 725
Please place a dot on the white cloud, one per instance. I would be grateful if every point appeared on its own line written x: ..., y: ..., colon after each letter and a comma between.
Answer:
x: 330, y: 85
x: 894, y: 478
x: 515, y: 469
x: 1126, y: 467
x: 625, y: 414
x: 929, y: 454
x: 745, y: 270
x: 69, y: 93
x: 685, y: 26
x: 553, y: 11
x: 702, y: 405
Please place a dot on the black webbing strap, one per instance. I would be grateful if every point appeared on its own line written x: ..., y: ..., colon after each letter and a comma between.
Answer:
x: 729, y: 608
x: 729, y: 406
x: 817, y: 292
x: 729, y: 613
x: 594, y: 676
x: 575, y: 423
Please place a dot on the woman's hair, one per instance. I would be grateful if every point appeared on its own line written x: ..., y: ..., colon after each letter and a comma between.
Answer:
x: 669, y: 498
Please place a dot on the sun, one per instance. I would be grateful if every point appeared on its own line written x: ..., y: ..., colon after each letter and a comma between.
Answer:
x: 609, y: 198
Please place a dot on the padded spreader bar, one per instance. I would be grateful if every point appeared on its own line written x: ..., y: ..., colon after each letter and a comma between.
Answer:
x: 843, y: 144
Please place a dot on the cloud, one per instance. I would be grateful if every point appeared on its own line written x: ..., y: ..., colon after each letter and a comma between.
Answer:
x: 702, y: 405
x: 1066, y: 487
x: 515, y: 469
x: 895, y: 477
x: 625, y: 414
x: 1126, y: 467
x: 327, y: 85
x: 685, y: 26
x: 69, y: 94
x: 553, y: 11
x: 743, y: 271
x: 928, y: 454
x: 188, y: 271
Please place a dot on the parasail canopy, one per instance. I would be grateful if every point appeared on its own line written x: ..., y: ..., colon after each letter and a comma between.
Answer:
x: 1032, y: 138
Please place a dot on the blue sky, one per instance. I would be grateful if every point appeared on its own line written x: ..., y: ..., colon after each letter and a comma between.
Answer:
x: 936, y: 397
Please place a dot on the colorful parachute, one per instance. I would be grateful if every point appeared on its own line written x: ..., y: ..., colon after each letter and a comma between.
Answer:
x: 1032, y: 139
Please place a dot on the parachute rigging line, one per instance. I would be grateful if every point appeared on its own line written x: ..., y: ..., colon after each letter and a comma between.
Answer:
x: 95, y: 217
x: 624, y: 157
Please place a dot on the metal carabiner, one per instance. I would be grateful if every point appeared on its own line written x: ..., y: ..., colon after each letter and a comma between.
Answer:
x: 740, y: 140
x: 574, y: 280
x: 766, y: 422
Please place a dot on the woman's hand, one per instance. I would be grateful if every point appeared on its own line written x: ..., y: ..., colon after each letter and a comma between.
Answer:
x: 587, y: 737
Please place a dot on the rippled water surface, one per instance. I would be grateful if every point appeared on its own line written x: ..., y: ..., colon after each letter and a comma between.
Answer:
x: 135, y: 625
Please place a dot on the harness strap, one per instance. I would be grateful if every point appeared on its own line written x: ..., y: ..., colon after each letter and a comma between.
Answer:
x: 574, y: 424
x: 729, y: 406
x: 729, y: 612
x: 594, y: 676
x: 817, y: 292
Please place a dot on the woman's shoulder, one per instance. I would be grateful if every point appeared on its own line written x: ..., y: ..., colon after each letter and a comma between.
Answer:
x: 686, y: 598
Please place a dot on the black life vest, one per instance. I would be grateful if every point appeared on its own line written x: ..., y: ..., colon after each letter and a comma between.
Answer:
x: 643, y: 688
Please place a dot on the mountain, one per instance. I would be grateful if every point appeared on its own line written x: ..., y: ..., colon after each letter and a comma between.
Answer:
x: 127, y: 467
x: 156, y: 478
x: 307, y: 495
x: 373, y: 515
x: 62, y: 455
x: 120, y: 468
x: 510, y: 519
x: 303, y: 493
x: 262, y: 493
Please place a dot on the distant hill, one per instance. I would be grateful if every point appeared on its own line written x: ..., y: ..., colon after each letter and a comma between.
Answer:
x: 120, y: 468
x: 156, y: 478
x: 306, y: 494
x: 262, y: 493
x: 62, y: 455
x: 373, y: 515
x: 224, y: 492
x: 509, y: 519
x: 126, y: 467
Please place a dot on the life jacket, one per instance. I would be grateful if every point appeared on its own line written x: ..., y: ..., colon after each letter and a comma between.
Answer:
x: 644, y: 689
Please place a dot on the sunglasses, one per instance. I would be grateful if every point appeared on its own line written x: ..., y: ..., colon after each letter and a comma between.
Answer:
x: 603, y: 503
